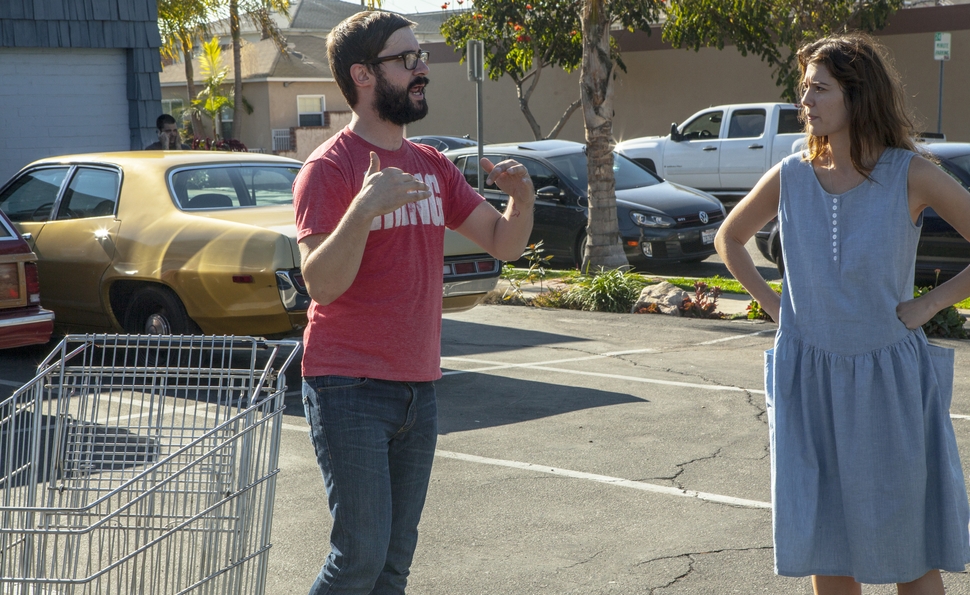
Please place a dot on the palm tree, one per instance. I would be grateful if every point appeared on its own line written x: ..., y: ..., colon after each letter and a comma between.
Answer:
x: 182, y: 23
x: 211, y: 100
x: 258, y: 12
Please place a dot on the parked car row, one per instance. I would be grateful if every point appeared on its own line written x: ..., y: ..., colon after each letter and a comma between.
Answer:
x: 188, y: 242
x: 174, y: 242
x: 940, y: 247
x: 659, y: 222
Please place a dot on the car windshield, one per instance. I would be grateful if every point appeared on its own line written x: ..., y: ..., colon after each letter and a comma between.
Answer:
x: 226, y: 187
x: 626, y: 173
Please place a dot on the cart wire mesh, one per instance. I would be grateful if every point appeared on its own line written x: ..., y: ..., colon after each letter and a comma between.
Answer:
x: 142, y: 465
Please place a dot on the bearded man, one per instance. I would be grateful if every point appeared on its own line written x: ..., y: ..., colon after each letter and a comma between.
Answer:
x: 371, y: 211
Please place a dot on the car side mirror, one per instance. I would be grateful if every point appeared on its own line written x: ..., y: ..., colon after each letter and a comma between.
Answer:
x: 550, y: 193
x: 675, y: 134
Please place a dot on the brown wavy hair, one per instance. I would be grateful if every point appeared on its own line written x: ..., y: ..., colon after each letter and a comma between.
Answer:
x: 873, y: 94
x: 359, y: 39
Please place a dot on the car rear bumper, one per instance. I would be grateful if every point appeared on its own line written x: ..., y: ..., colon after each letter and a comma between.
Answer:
x: 18, y: 329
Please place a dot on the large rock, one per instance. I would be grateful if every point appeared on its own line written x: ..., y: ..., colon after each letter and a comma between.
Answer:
x: 666, y: 296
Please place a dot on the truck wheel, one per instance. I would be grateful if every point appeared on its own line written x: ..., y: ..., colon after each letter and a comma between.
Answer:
x: 158, y: 311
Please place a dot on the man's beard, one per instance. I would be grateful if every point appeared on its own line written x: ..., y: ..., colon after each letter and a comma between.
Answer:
x: 395, y: 106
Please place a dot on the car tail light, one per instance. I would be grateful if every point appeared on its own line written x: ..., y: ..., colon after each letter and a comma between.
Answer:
x: 475, y: 267
x: 33, y: 283
x: 465, y: 268
x: 9, y: 281
x: 297, y: 277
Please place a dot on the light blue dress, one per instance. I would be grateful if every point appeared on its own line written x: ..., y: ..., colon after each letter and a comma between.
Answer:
x: 866, y: 477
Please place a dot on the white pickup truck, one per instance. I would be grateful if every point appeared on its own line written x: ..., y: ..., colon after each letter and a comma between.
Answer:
x: 723, y: 150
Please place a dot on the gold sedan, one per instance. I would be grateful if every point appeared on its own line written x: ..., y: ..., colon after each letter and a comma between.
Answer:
x: 182, y: 242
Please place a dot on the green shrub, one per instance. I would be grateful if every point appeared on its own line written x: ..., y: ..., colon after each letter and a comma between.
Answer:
x: 614, y: 290
x: 536, y: 272
x: 947, y: 323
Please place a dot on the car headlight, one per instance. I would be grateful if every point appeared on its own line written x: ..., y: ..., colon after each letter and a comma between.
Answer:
x: 648, y: 220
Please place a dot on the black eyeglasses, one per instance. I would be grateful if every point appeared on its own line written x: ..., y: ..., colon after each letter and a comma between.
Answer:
x: 410, y: 58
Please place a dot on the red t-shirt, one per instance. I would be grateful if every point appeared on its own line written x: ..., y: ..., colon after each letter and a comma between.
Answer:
x: 387, y: 324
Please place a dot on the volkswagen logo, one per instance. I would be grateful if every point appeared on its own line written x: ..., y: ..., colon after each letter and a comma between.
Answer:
x: 703, y: 216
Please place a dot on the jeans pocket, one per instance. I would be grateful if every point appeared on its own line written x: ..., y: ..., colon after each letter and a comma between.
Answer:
x: 321, y: 383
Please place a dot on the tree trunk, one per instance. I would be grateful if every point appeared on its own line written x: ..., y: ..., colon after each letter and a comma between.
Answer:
x: 198, y: 131
x: 603, y: 246
x: 237, y: 69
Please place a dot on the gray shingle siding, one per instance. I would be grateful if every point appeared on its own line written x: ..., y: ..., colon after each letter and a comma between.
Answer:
x: 113, y: 24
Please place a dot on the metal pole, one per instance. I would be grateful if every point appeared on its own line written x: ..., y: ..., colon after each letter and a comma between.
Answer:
x: 481, y: 120
x: 475, y: 56
x: 939, y: 111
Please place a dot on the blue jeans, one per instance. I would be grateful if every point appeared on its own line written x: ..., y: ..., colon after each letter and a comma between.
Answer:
x: 375, y: 442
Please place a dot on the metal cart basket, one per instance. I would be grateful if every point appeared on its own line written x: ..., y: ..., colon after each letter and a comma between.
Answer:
x: 142, y: 465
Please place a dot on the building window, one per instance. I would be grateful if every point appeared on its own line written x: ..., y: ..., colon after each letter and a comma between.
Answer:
x: 311, y: 108
x: 173, y: 107
x: 226, y: 117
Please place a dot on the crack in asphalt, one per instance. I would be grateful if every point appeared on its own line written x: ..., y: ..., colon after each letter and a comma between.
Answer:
x: 681, y: 467
x: 581, y: 562
x: 692, y: 559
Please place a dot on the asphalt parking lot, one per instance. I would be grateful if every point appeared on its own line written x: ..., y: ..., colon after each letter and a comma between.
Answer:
x: 578, y: 453
x: 597, y: 453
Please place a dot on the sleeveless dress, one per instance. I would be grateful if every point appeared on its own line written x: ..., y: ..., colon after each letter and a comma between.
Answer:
x: 866, y: 476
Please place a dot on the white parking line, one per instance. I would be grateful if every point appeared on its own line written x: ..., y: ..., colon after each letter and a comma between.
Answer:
x: 544, y: 367
x: 736, y: 337
x: 625, y: 483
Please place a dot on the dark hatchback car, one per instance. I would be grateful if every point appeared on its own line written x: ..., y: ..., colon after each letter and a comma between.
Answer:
x: 940, y: 246
x: 659, y: 222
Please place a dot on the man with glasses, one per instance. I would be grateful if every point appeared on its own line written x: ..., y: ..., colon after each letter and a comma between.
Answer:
x: 371, y: 210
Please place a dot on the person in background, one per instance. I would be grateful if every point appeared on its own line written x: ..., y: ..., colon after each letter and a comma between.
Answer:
x: 867, y: 485
x: 168, y: 135
x: 371, y: 211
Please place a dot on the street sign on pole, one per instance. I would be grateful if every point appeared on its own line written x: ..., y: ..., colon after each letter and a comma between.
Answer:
x: 475, y: 56
x: 941, y: 46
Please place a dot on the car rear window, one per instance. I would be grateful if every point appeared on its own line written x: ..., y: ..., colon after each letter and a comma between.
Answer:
x: 626, y: 173
x: 228, y: 187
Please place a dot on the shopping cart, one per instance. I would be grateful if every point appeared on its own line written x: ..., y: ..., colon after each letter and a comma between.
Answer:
x: 142, y: 465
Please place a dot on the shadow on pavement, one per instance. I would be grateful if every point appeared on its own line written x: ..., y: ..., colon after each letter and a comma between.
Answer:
x: 460, y: 338
x: 462, y: 406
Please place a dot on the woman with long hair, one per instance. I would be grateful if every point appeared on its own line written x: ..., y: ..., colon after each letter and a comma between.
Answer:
x: 867, y: 485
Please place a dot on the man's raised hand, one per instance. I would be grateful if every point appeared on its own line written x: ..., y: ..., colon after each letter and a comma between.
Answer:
x: 386, y: 190
x: 512, y: 178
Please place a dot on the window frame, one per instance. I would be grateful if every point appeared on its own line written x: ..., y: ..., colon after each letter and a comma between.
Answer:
x: 300, y: 113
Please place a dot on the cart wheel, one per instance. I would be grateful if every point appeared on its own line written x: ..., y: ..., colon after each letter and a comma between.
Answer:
x: 158, y: 311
